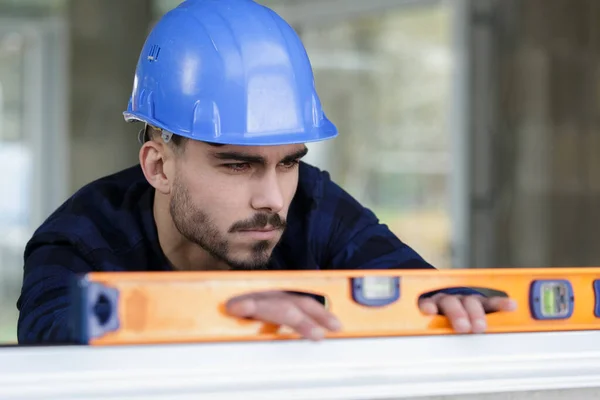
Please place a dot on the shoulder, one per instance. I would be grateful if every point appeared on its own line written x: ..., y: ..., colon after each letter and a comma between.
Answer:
x: 329, y: 202
x: 315, y: 185
x: 344, y: 234
x: 102, y: 214
x: 330, y: 217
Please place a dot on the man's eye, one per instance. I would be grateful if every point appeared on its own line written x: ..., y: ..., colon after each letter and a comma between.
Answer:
x: 290, y: 164
x: 237, y: 167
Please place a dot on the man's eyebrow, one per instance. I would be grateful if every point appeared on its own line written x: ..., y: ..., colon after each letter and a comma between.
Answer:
x: 249, y: 158
x: 237, y: 156
x: 295, y: 156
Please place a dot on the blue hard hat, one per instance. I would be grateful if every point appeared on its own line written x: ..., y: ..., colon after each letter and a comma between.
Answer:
x: 228, y: 71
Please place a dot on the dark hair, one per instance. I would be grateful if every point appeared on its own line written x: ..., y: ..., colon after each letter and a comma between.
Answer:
x: 177, y: 142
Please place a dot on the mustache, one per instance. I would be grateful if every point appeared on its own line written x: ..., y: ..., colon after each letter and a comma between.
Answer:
x: 259, y: 221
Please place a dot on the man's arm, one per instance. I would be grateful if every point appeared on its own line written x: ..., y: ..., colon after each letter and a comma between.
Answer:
x: 355, y: 237
x: 44, y: 301
x: 358, y: 240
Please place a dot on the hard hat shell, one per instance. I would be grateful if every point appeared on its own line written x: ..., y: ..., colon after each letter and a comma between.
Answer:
x: 228, y: 71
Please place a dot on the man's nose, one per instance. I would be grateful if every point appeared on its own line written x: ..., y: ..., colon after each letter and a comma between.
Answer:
x: 268, y: 195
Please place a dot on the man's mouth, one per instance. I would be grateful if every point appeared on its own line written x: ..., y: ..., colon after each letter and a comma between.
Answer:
x: 267, y: 233
x: 265, y: 229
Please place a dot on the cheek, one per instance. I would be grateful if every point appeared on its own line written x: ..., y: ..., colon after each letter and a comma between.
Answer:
x: 211, y: 188
x: 223, y: 200
x: 230, y: 195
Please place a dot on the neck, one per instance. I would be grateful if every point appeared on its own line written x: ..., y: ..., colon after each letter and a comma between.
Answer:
x: 182, y: 254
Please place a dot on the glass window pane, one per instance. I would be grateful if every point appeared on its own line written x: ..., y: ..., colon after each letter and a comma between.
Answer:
x: 14, y: 157
x: 385, y: 81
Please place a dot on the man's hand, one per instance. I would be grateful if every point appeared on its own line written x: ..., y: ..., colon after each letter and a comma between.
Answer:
x: 466, y: 313
x: 311, y: 320
x: 303, y: 314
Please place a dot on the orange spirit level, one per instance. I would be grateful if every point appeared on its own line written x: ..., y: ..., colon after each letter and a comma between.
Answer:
x: 173, y: 307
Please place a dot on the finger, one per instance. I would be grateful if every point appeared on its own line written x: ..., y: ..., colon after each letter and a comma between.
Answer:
x: 498, y: 303
x: 452, y: 307
x: 279, y: 310
x: 428, y: 306
x: 244, y: 306
x: 474, y: 307
x: 317, y: 312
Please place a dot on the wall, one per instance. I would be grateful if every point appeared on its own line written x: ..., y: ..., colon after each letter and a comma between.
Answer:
x: 545, y: 138
x: 106, y: 39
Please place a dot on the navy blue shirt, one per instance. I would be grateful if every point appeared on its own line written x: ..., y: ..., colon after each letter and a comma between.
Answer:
x: 108, y: 225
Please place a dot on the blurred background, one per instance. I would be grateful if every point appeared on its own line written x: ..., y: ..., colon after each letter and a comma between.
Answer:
x: 469, y: 126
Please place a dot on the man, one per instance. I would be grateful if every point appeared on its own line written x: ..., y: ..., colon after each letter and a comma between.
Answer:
x: 226, y: 94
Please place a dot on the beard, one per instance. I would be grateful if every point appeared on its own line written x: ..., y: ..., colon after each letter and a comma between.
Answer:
x: 197, y: 227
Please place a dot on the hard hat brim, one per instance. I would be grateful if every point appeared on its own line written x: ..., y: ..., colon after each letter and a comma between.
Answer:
x: 327, y: 130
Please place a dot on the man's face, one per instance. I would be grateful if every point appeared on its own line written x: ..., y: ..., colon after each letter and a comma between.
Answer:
x: 233, y: 200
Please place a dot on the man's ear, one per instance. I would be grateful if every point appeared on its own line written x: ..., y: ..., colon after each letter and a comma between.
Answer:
x: 158, y: 168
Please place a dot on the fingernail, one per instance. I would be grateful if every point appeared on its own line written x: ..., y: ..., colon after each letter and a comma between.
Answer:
x: 479, y: 325
x: 317, y: 333
x: 429, y: 309
x: 512, y: 304
x: 335, y: 325
x: 462, y: 325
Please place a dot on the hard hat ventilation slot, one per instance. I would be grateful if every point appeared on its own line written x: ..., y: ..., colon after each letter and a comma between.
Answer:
x: 153, y: 53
